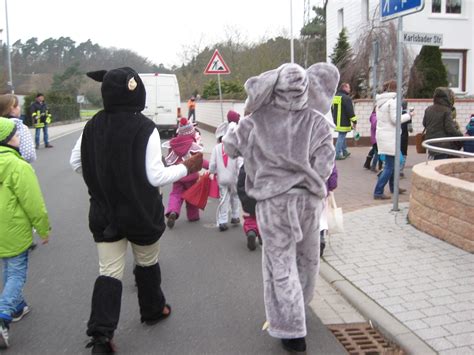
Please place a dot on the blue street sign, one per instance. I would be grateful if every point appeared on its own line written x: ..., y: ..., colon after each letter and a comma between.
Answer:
x: 390, y: 9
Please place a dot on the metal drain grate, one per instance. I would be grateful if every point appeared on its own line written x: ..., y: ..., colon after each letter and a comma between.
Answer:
x: 361, y: 338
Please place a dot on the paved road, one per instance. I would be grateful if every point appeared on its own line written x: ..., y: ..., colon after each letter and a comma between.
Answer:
x: 211, y: 280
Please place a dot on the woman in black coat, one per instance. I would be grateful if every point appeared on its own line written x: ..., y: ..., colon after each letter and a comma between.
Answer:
x: 439, y: 123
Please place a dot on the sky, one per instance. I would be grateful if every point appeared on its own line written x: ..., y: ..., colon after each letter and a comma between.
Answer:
x: 164, y: 31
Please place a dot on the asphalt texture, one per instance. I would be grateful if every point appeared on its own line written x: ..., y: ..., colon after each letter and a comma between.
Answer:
x: 210, y: 278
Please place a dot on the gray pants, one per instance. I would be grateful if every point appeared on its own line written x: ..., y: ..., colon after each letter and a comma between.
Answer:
x: 289, y: 228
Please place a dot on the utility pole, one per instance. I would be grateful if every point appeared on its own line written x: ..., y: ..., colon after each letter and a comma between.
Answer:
x: 9, y: 61
x: 292, y: 46
x: 375, y: 51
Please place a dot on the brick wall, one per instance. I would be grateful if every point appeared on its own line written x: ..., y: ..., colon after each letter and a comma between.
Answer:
x: 442, y: 201
x: 209, y: 112
x: 363, y: 109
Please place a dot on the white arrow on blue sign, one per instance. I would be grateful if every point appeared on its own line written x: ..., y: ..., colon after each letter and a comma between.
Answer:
x: 390, y: 9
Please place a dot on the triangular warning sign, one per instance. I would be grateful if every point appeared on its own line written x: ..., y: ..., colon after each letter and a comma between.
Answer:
x: 217, y: 65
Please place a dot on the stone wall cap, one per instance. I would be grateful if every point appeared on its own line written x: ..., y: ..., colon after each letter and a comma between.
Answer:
x: 428, y: 171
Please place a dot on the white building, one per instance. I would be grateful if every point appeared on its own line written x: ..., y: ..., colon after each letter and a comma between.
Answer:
x: 454, y: 19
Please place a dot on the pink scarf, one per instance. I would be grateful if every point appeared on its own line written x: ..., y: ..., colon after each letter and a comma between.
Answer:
x: 225, y: 157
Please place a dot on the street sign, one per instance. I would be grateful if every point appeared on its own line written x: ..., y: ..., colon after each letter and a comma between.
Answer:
x: 390, y: 9
x: 423, y: 39
x: 217, y: 65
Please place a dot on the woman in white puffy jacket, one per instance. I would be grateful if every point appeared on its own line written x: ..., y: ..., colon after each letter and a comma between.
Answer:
x: 386, y: 136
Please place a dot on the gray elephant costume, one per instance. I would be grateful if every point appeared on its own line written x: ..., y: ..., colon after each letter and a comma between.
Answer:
x: 288, y: 151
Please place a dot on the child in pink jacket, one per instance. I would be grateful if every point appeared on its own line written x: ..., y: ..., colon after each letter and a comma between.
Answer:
x: 180, y: 148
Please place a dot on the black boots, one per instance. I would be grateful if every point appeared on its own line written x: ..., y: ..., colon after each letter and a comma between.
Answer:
x: 101, y: 345
x: 105, y: 314
x: 322, y: 241
x: 150, y: 297
x: 367, y: 162
x: 297, y: 345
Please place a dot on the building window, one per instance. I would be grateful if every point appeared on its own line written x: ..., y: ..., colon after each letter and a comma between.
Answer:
x: 455, y: 63
x: 446, y: 6
x: 453, y: 6
x: 365, y: 10
x: 340, y: 19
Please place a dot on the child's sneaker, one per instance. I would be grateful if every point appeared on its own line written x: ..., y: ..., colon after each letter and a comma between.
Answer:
x: 171, y: 219
x: 251, y: 240
x: 22, y: 310
x: 235, y: 220
x: 3, y: 334
x: 223, y: 227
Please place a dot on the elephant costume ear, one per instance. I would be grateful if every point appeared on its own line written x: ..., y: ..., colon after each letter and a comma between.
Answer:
x: 323, y: 80
x: 260, y: 89
x: 97, y: 75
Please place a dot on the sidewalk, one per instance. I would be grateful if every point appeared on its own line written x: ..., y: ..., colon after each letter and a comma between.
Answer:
x: 59, y: 130
x: 423, y: 283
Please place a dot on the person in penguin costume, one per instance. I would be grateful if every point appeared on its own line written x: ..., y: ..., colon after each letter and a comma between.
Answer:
x: 119, y: 155
x: 288, y: 150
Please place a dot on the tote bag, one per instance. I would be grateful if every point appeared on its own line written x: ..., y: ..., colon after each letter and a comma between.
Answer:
x: 335, y: 216
x: 419, y: 138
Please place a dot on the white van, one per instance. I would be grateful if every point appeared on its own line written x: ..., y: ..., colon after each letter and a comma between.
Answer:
x: 163, y: 102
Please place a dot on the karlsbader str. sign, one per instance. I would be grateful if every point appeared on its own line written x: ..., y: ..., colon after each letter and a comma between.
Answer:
x: 423, y: 39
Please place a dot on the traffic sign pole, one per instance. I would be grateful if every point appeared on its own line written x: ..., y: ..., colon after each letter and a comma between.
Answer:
x: 396, y: 173
x: 220, y: 95
x: 217, y: 66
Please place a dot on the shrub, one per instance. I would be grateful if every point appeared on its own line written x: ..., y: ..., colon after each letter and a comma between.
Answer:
x: 427, y: 73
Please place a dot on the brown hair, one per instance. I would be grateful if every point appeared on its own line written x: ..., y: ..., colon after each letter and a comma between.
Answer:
x: 7, y: 103
x: 390, y: 86
x: 343, y: 85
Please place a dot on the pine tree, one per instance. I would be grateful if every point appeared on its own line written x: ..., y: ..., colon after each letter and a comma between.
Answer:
x: 342, y: 52
x: 427, y: 73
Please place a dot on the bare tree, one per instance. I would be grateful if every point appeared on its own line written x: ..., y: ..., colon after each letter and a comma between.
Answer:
x: 359, y: 72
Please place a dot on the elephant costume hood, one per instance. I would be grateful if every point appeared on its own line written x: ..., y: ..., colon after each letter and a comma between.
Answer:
x: 286, y: 140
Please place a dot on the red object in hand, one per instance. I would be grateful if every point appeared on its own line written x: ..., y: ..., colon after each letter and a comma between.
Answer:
x: 214, y: 187
x: 197, y: 194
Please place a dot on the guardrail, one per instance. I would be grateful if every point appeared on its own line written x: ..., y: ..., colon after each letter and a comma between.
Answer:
x: 430, y: 148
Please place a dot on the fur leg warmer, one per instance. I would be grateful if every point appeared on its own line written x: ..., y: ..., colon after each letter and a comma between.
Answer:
x: 150, y: 296
x: 105, y: 309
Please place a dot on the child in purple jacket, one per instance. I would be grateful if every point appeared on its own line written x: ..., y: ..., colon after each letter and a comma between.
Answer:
x: 373, y: 157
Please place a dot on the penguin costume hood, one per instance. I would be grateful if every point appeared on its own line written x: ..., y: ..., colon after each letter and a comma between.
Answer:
x: 113, y: 153
x: 122, y: 89
x: 286, y: 140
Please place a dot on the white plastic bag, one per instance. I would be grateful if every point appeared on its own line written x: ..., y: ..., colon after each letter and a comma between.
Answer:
x: 335, y: 216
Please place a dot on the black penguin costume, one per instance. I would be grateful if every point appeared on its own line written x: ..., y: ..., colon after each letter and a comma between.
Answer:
x: 123, y: 204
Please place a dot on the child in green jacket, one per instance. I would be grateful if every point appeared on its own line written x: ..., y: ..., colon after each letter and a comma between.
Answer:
x: 22, y: 208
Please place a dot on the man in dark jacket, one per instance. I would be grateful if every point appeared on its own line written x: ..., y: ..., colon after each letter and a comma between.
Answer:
x: 41, y: 119
x: 344, y: 119
x: 120, y: 157
x: 439, y: 123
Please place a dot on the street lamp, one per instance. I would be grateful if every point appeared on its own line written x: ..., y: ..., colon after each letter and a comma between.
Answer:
x: 9, y: 61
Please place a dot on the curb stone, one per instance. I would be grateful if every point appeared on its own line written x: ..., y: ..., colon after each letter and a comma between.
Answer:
x: 388, y: 325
